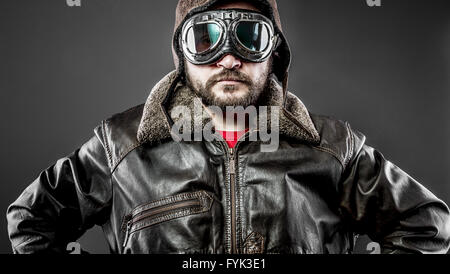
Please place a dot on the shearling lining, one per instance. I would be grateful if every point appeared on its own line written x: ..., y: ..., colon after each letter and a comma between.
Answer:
x: 155, y: 127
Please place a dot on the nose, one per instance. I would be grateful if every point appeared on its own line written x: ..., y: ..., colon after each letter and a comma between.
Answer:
x: 230, y: 62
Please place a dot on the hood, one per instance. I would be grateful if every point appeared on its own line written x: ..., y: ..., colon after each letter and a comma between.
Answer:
x: 281, y: 57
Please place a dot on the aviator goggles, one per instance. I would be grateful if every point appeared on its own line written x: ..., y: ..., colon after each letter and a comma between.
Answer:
x: 207, y: 36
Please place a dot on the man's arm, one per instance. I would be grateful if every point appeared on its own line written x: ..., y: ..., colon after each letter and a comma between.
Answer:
x: 382, y: 201
x: 67, y: 199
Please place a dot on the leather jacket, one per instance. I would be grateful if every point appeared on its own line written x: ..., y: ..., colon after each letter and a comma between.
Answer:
x: 151, y: 194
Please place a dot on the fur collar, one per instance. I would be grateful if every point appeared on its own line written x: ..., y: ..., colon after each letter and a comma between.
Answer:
x: 155, y: 127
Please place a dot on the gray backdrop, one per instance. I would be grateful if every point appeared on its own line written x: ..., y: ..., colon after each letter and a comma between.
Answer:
x: 64, y: 69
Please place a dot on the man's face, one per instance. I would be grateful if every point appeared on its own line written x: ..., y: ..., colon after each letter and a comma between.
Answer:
x: 229, y: 81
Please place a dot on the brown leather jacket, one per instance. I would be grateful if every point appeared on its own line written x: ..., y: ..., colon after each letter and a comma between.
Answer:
x: 151, y: 194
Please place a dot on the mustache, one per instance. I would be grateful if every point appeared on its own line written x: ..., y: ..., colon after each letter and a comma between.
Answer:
x: 233, y: 75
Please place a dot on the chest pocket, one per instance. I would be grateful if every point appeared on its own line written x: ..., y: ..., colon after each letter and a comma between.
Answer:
x: 166, y: 209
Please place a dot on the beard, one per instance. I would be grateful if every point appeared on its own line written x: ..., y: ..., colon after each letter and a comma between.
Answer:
x: 251, y: 98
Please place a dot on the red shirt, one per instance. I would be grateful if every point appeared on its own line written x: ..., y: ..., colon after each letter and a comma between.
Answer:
x: 232, y: 137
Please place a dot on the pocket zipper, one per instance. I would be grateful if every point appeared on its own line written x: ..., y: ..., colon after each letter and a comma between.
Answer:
x: 157, y: 211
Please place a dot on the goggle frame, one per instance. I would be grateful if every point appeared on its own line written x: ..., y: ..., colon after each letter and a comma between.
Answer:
x: 228, y: 42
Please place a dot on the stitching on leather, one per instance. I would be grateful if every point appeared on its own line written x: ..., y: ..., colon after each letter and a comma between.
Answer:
x: 352, y: 146
x: 205, y: 207
x: 163, y: 201
x: 108, y: 150
x: 122, y: 156
x: 177, y: 214
x: 327, y: 150
x: 169, y: 200
x: 125, y: 219
x: 168, y: 217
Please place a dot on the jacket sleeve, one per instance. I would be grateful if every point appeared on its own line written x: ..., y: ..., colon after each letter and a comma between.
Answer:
x: 66, y: 199
x: 382, y: 201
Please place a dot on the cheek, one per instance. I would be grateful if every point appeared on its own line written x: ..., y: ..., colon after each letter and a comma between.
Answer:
x: 198, y: 73
x: 258, y: 70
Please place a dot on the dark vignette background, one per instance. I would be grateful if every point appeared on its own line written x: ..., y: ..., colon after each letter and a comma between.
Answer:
x: 63, y: 70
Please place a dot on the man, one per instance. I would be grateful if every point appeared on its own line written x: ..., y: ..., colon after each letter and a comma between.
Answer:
x: 155, y: 189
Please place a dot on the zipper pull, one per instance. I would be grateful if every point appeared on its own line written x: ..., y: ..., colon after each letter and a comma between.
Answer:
x: 232, y: 162
x: 127, y: 234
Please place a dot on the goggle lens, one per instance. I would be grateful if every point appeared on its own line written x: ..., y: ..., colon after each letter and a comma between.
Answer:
x: 208, y: 36
x: 202, y: 37
x: 253, y: 35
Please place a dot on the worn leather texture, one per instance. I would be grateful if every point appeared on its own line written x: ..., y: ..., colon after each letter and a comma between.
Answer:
x: 323, y: 186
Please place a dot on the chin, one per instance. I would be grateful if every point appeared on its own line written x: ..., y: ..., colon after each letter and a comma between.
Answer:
x: 235, y: 95
x: 232, y: 91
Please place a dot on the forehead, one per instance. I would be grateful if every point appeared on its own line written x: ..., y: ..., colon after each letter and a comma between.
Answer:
x: 236, y: 5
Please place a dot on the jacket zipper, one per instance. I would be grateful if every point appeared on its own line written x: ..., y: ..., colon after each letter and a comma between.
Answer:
x: 233, y: 200
x: 149, y: 213
x: 232, y: 153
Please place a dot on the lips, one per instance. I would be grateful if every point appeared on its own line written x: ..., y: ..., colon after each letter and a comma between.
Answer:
x: 229, y: 80
x: 235, y: 80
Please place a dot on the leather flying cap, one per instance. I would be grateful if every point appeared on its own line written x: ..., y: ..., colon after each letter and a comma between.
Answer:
x: 281, y: 57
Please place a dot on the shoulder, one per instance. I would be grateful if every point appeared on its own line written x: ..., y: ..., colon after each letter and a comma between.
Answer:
x: 118, y: 134
x: 338, y: 138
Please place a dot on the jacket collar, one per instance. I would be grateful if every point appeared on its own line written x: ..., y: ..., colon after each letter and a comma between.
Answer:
x: 155, y: 127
